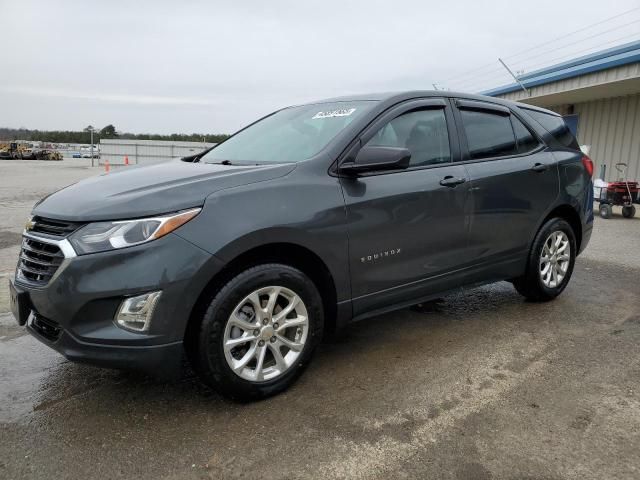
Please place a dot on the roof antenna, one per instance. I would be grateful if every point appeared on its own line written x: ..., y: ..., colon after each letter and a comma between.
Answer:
x: 515, y: 78
x: 434, y: 86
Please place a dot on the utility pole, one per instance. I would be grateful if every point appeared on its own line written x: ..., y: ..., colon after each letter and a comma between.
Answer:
x: 514, y: 77
x: 91, y: 130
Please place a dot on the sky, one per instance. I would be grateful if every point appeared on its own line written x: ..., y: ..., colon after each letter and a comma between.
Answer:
x: 214, y: 66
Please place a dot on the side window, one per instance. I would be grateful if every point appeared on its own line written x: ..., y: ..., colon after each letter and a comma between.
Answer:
x: 423, y: 132
x: 488, y: 134
x: 526, y: 141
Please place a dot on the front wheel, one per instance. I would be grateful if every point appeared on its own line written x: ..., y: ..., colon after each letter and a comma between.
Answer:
x: 550, y: 263
x: 259, y: 332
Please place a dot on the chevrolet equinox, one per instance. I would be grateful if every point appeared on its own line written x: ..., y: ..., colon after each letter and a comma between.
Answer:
x: 311, y: 217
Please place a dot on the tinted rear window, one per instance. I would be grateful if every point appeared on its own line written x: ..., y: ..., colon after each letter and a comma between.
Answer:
x: 526, y: 141
x: 488, y: 134
x: 556, y: 126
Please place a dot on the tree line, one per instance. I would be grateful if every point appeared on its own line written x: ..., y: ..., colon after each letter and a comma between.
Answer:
x: 84, y: 136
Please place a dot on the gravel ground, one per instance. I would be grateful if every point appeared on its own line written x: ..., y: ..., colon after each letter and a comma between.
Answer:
x: 481, y: 385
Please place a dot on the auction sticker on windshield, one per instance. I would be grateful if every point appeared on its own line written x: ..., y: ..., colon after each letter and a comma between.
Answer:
x: 343, y: 112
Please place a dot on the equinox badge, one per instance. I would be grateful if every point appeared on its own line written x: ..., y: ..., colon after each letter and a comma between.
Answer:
x: 377, y: 256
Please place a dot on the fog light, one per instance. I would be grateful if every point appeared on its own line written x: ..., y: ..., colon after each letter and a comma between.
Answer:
x: 135, y: 312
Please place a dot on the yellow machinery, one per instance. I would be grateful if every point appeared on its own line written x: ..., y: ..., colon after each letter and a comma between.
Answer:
x: 11, y: 150
x: 23, y: 151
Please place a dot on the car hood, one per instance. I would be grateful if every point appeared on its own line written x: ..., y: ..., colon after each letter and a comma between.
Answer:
x: 131, y: 192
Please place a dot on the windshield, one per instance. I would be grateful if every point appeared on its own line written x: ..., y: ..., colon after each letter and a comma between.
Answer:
x: 289, y: 135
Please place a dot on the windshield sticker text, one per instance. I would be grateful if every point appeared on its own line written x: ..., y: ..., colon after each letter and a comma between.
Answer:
x: 343, y: 112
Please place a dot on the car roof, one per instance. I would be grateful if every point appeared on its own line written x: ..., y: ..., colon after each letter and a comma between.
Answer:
x: 397, y: 97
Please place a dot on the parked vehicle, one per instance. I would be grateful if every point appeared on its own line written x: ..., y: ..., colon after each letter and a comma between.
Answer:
x: 623, y: 193
x: 47, y: 154
x: 15, y: 151
x: 9, y: 151
x: 85, y: 152
x: 312, y: 217
x: 28, y: 154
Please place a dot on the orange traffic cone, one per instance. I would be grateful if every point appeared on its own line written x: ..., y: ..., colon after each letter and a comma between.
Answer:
x: 126, y: 159
x: 106, y: 166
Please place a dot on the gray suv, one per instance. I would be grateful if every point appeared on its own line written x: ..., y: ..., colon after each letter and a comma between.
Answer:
x: 317, y: 215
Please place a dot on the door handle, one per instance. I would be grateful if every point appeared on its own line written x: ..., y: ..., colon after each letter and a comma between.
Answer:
x: 540, y: 167
x: 450, y: 181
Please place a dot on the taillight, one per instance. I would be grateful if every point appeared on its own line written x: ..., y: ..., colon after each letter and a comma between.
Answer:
x: 588, y: 165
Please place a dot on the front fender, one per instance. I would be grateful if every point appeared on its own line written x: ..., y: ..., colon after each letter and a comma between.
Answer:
x: 303, y: 208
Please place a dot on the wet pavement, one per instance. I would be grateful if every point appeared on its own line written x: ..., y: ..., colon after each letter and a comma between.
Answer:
x: 481, y: 385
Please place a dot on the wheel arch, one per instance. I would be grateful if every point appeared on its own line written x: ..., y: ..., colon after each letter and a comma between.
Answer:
x: 570, y: 215
x: 291, y: 254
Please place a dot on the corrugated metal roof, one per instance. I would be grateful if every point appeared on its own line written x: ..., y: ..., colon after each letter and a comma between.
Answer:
x: 594, y: 62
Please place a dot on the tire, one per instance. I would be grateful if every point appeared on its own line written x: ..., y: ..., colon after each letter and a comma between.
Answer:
x: 605, y: 210
x: 628, y: 211
x: 533, y: 285
x: 246, y: 297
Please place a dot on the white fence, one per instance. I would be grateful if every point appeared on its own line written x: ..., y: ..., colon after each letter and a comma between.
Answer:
x: 147, y: 151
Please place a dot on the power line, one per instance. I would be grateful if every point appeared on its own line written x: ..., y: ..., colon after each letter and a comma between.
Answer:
x: 523, y: 66
x: 582, y: 40
x: 598, y: 47
x: 570, y: 33
x: 464, y: 74
x: 486, y: 85
x: 473, y: 83
x: 535, y: 47
x: 476, y: 77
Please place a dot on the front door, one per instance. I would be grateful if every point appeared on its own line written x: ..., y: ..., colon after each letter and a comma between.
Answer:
x: 406, y: 227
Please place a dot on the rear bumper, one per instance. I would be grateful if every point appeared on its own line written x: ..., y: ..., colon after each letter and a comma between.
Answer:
x: 586, y: 236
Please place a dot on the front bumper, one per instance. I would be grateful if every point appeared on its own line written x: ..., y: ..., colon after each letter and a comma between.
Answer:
x: 148, y: 358
x: 74, y: 313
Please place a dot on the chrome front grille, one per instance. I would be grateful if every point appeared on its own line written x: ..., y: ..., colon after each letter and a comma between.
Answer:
x: 39, y: 261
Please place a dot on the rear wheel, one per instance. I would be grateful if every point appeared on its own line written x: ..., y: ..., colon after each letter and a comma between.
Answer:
x: 605, y: 210
x: 550, y: 263
x: 628, y: 211
x: 259, y: 332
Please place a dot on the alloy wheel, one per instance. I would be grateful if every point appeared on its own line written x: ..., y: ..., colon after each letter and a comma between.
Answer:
x: 554, y: 259
x: 266, y: 333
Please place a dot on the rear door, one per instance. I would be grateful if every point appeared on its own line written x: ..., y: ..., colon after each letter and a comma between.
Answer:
x: 407, y: 226
x: 514, y: 180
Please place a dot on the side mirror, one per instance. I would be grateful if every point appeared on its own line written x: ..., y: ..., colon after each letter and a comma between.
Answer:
x: 370, y: 159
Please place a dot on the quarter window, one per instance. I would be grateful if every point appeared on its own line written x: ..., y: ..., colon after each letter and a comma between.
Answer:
x: 526, y: 141
x: 556, y: 126
x: 488, y: 134
x: 422, y: 132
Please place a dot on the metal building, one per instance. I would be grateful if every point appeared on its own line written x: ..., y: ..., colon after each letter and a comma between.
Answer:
x: 146, y: 151
x: 599, y: 95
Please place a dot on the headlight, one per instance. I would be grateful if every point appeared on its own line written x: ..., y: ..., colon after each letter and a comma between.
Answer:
x: 101, y: 236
